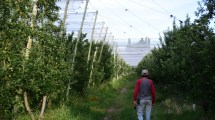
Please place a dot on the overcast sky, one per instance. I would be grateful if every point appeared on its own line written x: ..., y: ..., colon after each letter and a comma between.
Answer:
x: 125, y: 19
x: 141, y: 18
x: 136, y: 18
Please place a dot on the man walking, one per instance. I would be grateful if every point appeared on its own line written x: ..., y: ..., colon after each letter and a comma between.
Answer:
x: 144, y: 95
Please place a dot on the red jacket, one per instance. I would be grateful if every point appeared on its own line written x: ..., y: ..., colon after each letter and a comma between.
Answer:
x: 137, y: 87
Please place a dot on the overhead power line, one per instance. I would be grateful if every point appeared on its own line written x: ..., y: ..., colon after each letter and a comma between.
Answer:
x: 119, y: 17
x: 161, y: 7
x: 80, y: 13
x: 136, y: 15
x: 158, y: 11
x: 142, y: 5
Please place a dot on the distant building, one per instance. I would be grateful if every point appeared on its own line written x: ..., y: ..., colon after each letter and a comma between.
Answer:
x: 133, y: 53
x: 141, y: 43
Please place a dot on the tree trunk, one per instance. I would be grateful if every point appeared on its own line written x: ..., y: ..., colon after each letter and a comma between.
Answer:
x: 43, y: 107
x: 33, y: 22
x: 29, y: 44
x: 27, y: 106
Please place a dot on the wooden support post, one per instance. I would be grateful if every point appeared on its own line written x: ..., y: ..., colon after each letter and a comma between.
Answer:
x: 64, y: 18
x: 100, y: 34
x: 92, y: 66
x: 91, y: 40
x: 76, y: 46
x: 103, y: 45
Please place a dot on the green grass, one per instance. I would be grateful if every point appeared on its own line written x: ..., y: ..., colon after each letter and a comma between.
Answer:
x: 118, y: 95
x: 62, y: 113
x: 93, y: 106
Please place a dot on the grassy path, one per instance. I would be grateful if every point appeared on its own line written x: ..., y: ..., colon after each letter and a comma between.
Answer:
x: 116, y: 109
x: 122, y: 108
x: 113, y: 101
x: 164, y: 109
